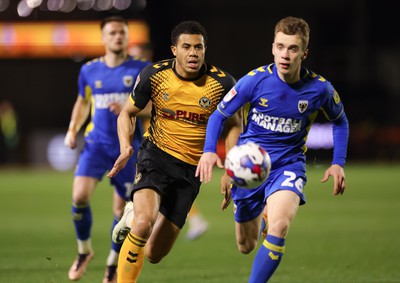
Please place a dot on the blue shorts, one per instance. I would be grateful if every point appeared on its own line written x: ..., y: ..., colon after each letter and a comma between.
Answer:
x: 96, y: 159
x: 249, y: 204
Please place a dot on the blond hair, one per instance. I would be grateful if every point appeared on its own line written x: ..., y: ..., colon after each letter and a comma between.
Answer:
x: 293, y: 26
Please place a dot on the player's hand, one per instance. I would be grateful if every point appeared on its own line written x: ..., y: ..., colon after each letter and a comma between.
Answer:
x: 226, y: 186
x: 70, y: 139
x: 121, y: 161
x: 115, y: 107
x: 339, y: 183
x: 205, y: 167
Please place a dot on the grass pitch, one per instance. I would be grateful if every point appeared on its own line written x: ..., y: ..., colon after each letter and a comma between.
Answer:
x: 354, y: 238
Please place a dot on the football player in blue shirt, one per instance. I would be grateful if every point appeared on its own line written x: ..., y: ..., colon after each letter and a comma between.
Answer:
x: 104, y: 84
x: 284, y: 100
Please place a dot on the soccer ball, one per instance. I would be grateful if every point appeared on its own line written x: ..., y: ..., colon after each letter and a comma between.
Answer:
x: 247, y: 165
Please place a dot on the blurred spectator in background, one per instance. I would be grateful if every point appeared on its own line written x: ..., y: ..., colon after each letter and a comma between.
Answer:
x: 9, y: 134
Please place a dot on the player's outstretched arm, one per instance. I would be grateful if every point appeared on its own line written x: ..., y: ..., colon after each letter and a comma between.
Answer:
x: 121, y: 161
x: 126, y: 127
x: 205, y: 167
x: 209, y: 158
x: 339, y: 183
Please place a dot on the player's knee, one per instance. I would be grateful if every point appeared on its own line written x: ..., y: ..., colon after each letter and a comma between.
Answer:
x: 154, y: 258
x: 246, y: 246
x: 80, y: 198
x: 80, y: 203
x: 143, y: 225
x: 279, y: 228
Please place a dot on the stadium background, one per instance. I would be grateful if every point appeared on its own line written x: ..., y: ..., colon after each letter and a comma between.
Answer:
x: 354, y: 44
x: 347, y: 239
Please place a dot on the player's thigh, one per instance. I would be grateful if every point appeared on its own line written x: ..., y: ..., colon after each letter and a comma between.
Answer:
x: 282, y: 207
x: 83, y: 188
x: 162, y: 239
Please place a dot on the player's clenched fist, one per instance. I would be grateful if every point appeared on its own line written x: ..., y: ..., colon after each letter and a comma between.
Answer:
x: 70, y: 139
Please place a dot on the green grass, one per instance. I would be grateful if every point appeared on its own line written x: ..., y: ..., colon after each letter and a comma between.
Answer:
x: 351, y: 238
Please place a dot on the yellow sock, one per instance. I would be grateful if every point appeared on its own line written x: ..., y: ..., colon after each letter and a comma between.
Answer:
x: 130, y: 260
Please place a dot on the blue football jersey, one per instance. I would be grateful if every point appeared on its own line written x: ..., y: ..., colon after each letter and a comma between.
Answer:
x: 103, y: 85
x: 280, y: 115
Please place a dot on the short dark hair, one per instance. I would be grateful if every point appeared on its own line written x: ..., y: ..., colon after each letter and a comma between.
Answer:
x: 188, y: 27
x: 112, y: 19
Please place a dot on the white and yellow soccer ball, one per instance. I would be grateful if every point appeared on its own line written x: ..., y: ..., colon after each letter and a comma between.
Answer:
x: 248, y: 165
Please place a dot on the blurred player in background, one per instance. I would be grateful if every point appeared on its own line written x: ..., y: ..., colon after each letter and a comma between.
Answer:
x: 197, y: 224
x: 104, y: 84
x: 184, y: 91
x: 284, y: 101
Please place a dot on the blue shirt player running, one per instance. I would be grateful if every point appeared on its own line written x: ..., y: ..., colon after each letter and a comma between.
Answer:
x: 284, y: 99
x: 104, y: 84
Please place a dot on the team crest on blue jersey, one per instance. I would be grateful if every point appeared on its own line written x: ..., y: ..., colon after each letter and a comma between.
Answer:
x: 303, y: 105
x: 128, y: 81
x: 98, y: 84
x: 204, y: 102
x: 263, y: 102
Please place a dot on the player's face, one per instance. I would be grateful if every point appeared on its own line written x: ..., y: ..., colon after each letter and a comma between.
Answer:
x: 288, y: 53
x: 115, y: 37
x: 190, y: 53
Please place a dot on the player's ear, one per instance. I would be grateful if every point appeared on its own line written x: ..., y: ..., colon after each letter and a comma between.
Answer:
x: 305, y: 54
x: 173, y: 49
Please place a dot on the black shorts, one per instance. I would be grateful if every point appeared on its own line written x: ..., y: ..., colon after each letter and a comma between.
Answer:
x: 172, y: 178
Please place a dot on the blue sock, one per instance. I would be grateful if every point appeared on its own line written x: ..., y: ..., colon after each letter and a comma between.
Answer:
x: 116, y: 247
x: 267, y: 259
x: 82, y: 218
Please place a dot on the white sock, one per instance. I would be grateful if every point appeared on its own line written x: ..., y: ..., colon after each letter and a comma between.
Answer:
x: 129, y: 219
x: 196, y: 220
x: 84, y: 247
x: 112, y: 258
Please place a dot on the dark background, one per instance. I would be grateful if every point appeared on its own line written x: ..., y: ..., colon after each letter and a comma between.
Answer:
x: 354, y: 44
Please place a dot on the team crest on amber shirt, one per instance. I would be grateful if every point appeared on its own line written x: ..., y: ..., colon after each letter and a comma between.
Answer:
x: 204, y: 102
